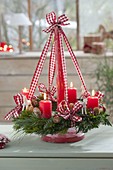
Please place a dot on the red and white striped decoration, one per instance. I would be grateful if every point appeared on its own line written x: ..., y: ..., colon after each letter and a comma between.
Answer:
x: 50, y: 92
x: 64, y: 68
x: 99, y: 94
x: 67, y: 113
x: 53, y: 22
x: 16, y: 111
x: 63, y: 109
x: 74, y: 59
x: 86, y: 94
x: 39, y: 67
x: 51, y: 67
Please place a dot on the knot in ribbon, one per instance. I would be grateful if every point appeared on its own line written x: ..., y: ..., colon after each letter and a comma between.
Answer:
x: 43, y: 89
x: 70, y: 113
x: 16, y: 111
x: 53, y: 21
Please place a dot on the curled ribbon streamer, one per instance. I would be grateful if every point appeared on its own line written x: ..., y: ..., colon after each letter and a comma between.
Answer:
x: 16, y: 111
x: 65, y: 112
x: 42, y: 88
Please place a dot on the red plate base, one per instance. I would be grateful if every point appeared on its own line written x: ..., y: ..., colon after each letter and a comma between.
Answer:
x: 70, y: 137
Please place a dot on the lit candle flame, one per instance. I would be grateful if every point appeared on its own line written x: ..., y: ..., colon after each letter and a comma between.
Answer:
x: 11, y: 50
x: 93, y: 92
x: 71, y: 84
x: 5, y: 47
x: 44, y: 96
x: 25, y: 89
x: 10, y: 46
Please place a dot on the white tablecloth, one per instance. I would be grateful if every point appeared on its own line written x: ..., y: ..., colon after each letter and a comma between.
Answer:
x: 28, y: 152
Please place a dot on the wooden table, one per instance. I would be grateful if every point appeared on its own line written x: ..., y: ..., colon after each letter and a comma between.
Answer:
x: 28, y: 152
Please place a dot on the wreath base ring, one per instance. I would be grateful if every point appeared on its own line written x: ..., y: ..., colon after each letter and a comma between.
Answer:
x: 70, y: 137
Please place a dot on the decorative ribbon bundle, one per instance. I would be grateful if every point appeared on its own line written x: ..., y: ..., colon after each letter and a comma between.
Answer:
x: 70, y: 113
x: 55, y: 115
x: 43, y: 88
x: 53, y: 22
x: 16, y: 111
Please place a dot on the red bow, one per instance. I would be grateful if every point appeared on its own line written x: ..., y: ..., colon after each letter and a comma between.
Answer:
x: 99, y: 94
x: 16, y: 111
x: 67, y: 113
x: 53, y: 21
x: 43, y: 88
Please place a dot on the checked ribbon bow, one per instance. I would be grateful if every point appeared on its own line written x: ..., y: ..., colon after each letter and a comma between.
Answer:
x: 43, y: 88
x: 16, y: 111
x: 98, y: 94
x: 67, y: 113
x: 54, y: 22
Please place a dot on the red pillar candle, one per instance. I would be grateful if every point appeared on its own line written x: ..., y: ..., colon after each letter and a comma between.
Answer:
x: 25, y: 92
x: 92, y: 101
x: 72, y: 94
x: 2, y: 44
x: 59, y: 68
x: 45, y: 107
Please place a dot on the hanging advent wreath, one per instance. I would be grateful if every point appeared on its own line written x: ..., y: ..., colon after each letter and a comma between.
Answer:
x: 50, y: 113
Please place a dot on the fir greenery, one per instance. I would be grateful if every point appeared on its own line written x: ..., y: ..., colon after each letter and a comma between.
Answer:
x: 29, y: 122
x: 104, y: 81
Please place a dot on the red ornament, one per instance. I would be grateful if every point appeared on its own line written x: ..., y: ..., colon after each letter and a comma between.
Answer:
x: 3, y: 141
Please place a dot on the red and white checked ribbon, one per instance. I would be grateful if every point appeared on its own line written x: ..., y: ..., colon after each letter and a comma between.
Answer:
x: 53, y: 22
x: 43, y: 88
x: 16, y: 111
x: 39, y: 67
x: 51, y: 67
x: 86, y: 94
x: 99, y: 94
x: 74, y: 59
x: 67, y: 113
x: 64, y: 68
